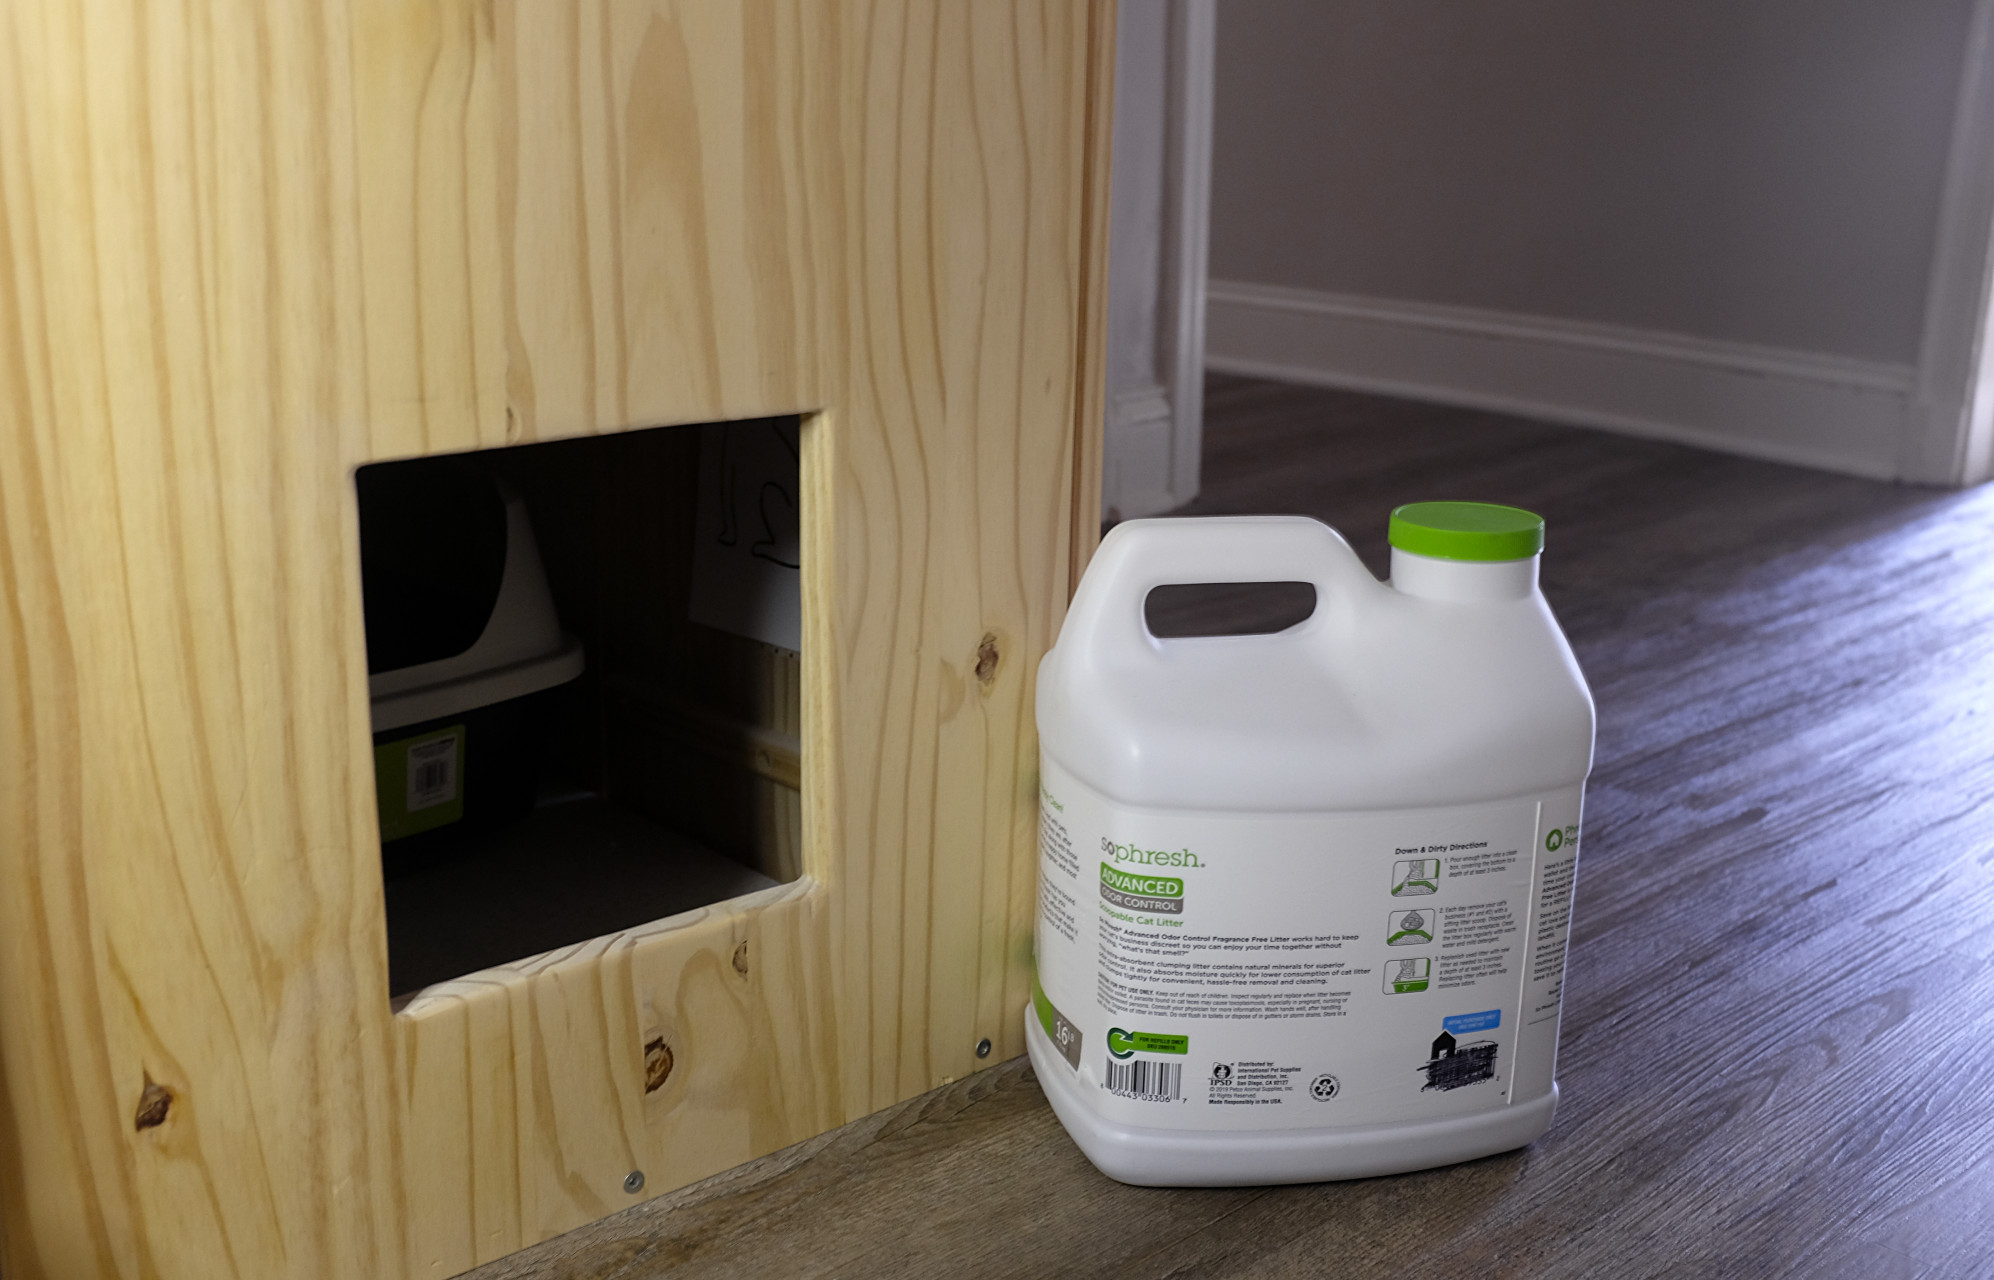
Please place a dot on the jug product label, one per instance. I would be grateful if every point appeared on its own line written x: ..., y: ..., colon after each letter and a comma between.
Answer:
x: 1244, y: 971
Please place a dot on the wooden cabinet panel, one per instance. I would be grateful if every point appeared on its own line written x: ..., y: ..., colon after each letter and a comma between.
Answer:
x: 245, y: 249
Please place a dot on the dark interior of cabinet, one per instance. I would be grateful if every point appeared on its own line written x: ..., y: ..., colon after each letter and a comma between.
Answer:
x: 668, y: 773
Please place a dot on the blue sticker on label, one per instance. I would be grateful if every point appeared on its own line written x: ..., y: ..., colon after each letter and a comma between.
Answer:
x: 1487, y: 1020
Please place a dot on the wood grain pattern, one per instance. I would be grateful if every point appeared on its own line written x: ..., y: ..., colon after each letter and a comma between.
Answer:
x: 245, y: 249
x: 1781, y: 986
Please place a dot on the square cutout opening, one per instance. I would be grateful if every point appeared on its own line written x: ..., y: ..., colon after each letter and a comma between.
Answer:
x: 585, y: 679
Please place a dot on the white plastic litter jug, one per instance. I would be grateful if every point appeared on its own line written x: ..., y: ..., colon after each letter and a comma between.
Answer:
x: 1304, y: 896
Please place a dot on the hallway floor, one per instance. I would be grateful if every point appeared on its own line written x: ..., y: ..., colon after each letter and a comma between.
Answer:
x: 1778, y: 1054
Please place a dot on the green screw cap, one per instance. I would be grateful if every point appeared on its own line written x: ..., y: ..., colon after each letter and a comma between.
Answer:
x: 1467, y: 531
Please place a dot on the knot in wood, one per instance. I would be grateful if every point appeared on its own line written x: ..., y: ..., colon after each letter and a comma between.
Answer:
x: 154, y: 1104
x: 987, y: 658
x: 657, y: 1064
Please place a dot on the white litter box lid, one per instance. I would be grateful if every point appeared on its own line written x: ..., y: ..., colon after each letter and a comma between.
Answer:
x: 522, y: 649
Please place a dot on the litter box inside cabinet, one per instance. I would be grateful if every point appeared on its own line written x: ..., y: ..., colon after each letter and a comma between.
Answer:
x: 647, y: 782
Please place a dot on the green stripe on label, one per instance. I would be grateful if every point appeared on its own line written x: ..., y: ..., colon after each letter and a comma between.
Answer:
x: 1145, y: 886
x: 1042, y: 1005
x: 1064, y: 1035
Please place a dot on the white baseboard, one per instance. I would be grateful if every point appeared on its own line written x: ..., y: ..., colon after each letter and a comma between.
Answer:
x: 1790, y: 406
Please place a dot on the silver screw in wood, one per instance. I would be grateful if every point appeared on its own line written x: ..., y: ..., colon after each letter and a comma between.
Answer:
x: 635, y: 1182
x: 983, y: 1047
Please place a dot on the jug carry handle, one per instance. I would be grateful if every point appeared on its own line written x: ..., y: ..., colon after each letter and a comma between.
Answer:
x: 1137, y: 556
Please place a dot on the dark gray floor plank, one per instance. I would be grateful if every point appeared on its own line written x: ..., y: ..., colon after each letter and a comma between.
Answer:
x: 1779, y: 1022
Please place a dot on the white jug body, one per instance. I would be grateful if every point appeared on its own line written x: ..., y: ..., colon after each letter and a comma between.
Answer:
x: 1304, y: 897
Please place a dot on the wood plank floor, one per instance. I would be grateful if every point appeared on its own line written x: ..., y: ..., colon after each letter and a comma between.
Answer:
x: 1779, y: 1015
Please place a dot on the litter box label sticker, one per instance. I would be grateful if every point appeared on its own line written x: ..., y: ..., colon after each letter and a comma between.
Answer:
x: 418, y: 782
x: 1233, y: 971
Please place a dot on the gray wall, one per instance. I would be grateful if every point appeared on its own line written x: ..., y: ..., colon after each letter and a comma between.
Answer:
x: 1757, y: 171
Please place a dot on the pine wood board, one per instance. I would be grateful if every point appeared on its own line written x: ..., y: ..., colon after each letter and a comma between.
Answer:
x: 245, y: 249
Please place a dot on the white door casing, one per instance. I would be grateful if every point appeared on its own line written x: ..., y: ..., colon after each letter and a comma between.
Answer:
x: 1156, y: 256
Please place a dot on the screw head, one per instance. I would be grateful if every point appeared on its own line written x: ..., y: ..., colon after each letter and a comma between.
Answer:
x: 983, y: 1047
x: 634, y: 1182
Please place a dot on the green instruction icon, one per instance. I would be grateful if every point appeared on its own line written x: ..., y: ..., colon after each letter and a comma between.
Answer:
x: 1410, y: 928
x: 1403, y: 977
x: 1415, y: 876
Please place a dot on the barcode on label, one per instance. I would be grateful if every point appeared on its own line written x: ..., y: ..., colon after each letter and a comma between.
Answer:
x: 432, y: 773
x: 1150, y: 1081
